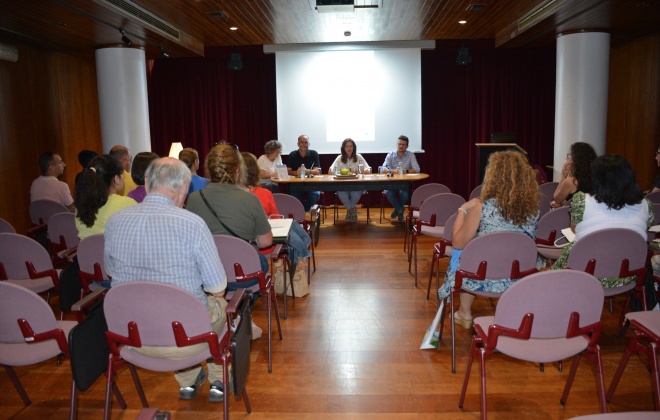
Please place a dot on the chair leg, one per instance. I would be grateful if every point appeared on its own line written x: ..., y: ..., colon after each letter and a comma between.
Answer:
x: 633, y: 347
x: 571, y: 376
x: 415, y: 263
x: 441, y: 306
x: 468, y: 370
x: 436, y: 258
x: 73, y: 407
x: 453, y: 333
x: 18, y: 385
x: 652, y: 351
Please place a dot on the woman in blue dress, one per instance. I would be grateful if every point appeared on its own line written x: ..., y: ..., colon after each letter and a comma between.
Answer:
x: 508, y: 202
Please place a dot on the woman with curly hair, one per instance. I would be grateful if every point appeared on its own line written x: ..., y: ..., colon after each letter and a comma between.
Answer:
x: 575, y: 174
x: 508, y: 202
x: 97, y: 195
x: 616, y: 201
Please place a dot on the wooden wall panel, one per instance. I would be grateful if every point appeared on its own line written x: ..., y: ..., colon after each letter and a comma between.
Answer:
x: 633, y: 127
x: 48, y: 101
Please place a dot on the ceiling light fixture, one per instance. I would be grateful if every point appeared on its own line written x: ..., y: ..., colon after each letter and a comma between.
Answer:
x: 462, y: 22
x: 124, y: 38
x: 233, y: 28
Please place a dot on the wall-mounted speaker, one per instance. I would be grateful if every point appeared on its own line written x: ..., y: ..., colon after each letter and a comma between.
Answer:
x: 463, y: 58
x: 235, y: 62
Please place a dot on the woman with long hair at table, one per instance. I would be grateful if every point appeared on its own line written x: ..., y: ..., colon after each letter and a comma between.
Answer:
x: 351, y: 159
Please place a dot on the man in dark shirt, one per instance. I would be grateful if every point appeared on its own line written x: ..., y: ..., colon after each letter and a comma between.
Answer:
x: 310, y: 158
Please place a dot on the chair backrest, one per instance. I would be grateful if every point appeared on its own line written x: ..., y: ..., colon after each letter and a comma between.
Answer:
x: 609, y: 247
x: 18, y: 302
x: 6, y: 227
x: 548, y: 189
x: 556, y: 220
x: 499, y: 250
x: 551, y: 296
x: 476, y: 192
x: 90, y: 252
x: 41, y: 210
x: 544, y: 204
x: 64, y: 225
x: 16, y: 250
x: 234, y: 250
x: 653, y: 197
x: 442, y: 205
x: 656, y: 213
x: 153, y: 307
x: 449, y: 227
x: 289, y: 205
x: 425, y: 191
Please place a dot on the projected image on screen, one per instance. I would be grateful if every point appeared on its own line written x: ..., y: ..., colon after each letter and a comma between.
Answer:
x: 371, y: 96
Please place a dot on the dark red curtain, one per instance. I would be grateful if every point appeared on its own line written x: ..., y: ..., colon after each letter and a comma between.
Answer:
x: 199, y: 101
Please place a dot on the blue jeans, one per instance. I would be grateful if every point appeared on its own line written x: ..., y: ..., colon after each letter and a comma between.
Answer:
x: 400, y: 203
x: 231, y: 286
x: 349, y: 198
x: 313, y: 197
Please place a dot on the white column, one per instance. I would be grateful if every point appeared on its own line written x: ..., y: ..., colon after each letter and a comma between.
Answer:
x: 121, y: 77
x: 581, y: 93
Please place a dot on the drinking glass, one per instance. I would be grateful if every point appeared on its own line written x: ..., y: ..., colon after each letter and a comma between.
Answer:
x: 381, y: 170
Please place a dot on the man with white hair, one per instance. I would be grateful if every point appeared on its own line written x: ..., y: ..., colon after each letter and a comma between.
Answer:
x: 157, y: 240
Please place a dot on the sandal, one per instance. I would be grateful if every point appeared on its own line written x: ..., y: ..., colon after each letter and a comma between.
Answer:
x: 465, y: 323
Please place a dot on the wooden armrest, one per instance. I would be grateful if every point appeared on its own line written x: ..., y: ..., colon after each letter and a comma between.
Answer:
x: 88, y: 300
x: 237, y: 297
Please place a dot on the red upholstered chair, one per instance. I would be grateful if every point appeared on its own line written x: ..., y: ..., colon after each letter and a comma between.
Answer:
x: 548, y: 189
x: 29, y: 332
x: 241, y: 263
x: 476, y: 192
x: 431, y: 220
x: 418, y: 196
x: 543, y: 318
x: 6, y: 227
x: 646, y: 339
x: 90, y: 260
x: 440, y: 250
x: 544, y: 204
x: 40, y: 212
x: 613, y: 253
x: 23, y: 261
x: 497, y: 255
x: 549, y: 231
x: 62, y: 238
x: 653, y: 197
x: 156, y: 314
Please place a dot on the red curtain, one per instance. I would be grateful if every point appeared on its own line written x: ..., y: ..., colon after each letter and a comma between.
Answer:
x: 199, y: 101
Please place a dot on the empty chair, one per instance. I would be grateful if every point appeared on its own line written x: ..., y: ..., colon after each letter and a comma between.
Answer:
x: 62, y: 236
x: 613, y: 253
x: 416, y: 200
x: 543, y: 318
x: 40, y: 212
x: 646, y: 338
x: 157, y: 314
x: 90, y: 260
x: 548, y: 189
x: 440, y: 250
x: 23, y: 261
x: 493, y: 256
x: 544, y: 204
x: 476, y: 192
x: 29, y: 332
x: 291, y: 207
x: 549, y: 231
x: 432, y: 216
x: 241, y: 263
x: 6, y: 227
x: 653, y: 197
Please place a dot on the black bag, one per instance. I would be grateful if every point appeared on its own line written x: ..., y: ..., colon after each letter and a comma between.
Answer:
x: 70, y: 286
x: 649, y: 293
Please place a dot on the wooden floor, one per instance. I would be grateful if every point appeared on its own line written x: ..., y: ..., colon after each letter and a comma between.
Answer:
x: 351, y: 351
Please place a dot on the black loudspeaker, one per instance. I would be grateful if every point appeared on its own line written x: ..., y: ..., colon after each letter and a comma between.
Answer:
x: 463, y: 58
x: 235, y: 62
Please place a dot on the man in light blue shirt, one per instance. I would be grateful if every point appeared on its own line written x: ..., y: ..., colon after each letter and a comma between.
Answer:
x: 408, y: 162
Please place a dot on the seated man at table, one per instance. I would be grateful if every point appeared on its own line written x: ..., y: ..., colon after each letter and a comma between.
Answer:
x: 160, y: 242
x: 309, y: 158
x: 408, y: 162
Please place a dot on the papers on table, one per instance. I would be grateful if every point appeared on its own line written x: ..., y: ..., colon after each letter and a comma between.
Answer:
x: 282, y: 172
x: 280, y: 227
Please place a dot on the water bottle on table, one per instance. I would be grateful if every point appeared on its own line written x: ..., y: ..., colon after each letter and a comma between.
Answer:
x: 399, y: 169
x: 303, y: 171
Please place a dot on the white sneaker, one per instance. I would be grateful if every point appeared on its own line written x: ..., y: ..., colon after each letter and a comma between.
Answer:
x: 256, y: 331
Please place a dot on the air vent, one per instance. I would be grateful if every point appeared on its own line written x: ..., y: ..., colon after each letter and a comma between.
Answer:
x: 538, y: 14
x: 219, y: 15
x: 130, y: 9
x: 476, y: 7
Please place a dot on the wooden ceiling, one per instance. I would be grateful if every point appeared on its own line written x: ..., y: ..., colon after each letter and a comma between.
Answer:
x: 80, y: 26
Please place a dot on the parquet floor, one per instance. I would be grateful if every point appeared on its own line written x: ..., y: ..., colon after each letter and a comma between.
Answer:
x: 351, y: 351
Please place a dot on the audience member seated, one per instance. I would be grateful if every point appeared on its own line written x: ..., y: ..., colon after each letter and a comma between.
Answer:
x: 190, y: 157
x: 174, y: 247
x: 268, y: 163
x: 47, y: 186
x: 299, y: 240
x: 351, y: 159
x: 122, y: 155
x: 310, y: 158
x: 97, y: 195
x: 84, y: 157
x: 405, y: 159
x: 616, y: 201
x: 139, y: 167
x: 508, y: 202
x: 225, y: 207
x: 575, y: 174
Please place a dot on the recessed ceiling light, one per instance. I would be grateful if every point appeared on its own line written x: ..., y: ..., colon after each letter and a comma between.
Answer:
x: 462, y: 22
x: 233, y: 28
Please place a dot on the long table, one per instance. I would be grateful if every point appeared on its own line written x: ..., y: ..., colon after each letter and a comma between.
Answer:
x: 371, y: 182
